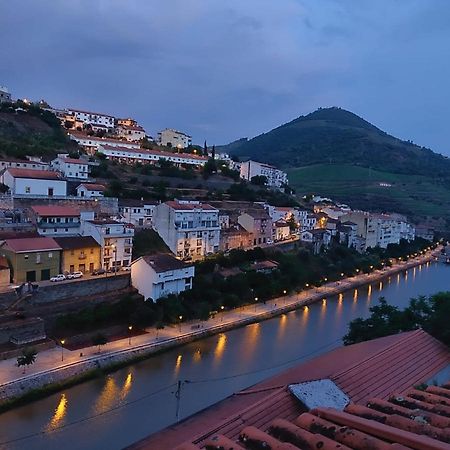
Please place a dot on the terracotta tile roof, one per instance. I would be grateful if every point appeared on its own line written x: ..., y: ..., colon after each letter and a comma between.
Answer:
x: 89, y: 112
x: 161, y: 153
x: 51, y: 211
x: 189, y: 206
x: 38, y: 174
x: 399, y: 419
x: 75, y: 161
x: 93, y: 186
x: 31, y: 244
x: 101, y: 141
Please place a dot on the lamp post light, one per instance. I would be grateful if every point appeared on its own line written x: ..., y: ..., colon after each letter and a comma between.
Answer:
x: 62, y: 349
x: 115, y: 259
x: 256, y: 302
x: 130, y: 328
x: 179, y: 324
x: 221, y: 316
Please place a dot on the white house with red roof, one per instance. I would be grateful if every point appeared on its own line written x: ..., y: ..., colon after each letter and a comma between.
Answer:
x: 34, y: 183
x: 71, y: 167
x: 91, y: 190
x: 132, y: 133
x: 92, y: 143
x: 92, y: 118
x: 190, y: 229
x: 143, y: 155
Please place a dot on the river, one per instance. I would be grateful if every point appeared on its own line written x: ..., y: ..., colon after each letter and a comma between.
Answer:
x: 127, y: 405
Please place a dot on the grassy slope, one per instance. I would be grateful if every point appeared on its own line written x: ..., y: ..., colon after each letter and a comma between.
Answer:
x: 410, y: 194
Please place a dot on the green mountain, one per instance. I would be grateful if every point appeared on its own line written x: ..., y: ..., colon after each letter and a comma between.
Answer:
x: 334, y: 135
x: 26, y: 129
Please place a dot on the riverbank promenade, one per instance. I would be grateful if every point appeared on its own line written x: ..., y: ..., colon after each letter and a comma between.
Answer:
x: 52, y: 365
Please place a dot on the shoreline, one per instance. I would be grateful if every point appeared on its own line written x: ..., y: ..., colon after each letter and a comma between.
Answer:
x: 31, y: 387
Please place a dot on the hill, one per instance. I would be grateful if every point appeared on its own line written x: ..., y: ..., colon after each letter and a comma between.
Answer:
x: 339, y: 136
x: 26, y: 129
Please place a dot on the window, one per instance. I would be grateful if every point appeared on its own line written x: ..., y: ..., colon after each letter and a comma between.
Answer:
x: 50, y: 254
x: 25, y: 256
x: 38, y: 258
x: 27, y: 190
x: 92, y: 251
x: 72, y: 252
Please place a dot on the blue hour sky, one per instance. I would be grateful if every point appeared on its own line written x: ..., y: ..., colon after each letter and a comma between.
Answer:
x: 221, y: 70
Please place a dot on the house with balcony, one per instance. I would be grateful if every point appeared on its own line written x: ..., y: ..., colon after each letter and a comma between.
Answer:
x: 79, y: 253
x: 71, y: 167
x: 156, y: 276
x: 189, y: 228
x: 115, y: 239
x: 137, y: 212
x: 51, y: 220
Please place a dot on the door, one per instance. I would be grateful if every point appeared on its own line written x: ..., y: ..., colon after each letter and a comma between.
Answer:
x: 82, y: 268
x: 91, y: 267
x: 45, y: 274
x: 50, y: 192
x: 72, y: 268
x: 31, y: 276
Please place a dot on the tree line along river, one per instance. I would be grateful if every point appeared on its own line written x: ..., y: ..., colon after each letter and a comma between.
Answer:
x: 125, y: 406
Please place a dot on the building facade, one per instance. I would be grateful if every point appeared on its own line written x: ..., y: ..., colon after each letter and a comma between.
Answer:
x: 156, y: 276
x: 132, y: 133
x: 71, y: 167
x: 92, y: 118
x: 91, y: 190
x: 34, y: 182
x: 32, y: 259
x: 189, y: 229
x: 5, y: 96
x: 92, y: 143
x: 275, y: 177
x: 259, y: 224
x: 56, y: 220
x: 138, y: 213
x: 173, y: 138
x: 80, y: 253
x: 115, y: 239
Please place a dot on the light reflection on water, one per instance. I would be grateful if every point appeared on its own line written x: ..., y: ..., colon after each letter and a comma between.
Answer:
x: 247, y: 350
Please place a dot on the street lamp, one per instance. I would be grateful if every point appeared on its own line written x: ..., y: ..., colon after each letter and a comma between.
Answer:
x: 115, y: 259
x: 62, y: 349
x: 129, y: 331
x: 179, y: 324
x: 256, y: 302
x: 221, y: 316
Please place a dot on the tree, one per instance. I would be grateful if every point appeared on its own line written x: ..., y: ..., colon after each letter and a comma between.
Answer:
x: 259, y: 180
x: 99, y: 339
x: 205, y: 149
x: 27, y: 358
x: 213, y: 152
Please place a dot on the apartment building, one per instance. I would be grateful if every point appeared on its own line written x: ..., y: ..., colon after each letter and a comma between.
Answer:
x: 23, y: 164
x: 132, y: 133
x: 80, y: 253
x: 31, y: 183
x: 275, y: 177
x: 115, y: 238
x: 71, y: 167
x: 91, y: 143
x: 173, y: 138
x: 91, y: 118
x: 156, y: 276
x: 5, y: 96
x: 137, y: 212
x: 52, y: 220
x: 257, y: 222
x: 142, y: 155
x: 189, y: 228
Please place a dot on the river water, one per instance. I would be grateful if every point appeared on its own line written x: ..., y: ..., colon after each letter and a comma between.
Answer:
x: 123, y: 407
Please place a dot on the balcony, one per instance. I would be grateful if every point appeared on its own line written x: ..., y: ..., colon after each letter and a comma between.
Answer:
x: 47, y: 225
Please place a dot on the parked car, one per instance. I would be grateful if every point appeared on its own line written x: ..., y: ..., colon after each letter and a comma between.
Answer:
x: 269, y: 241
x: 114, y: 269
x: 59, y: 277
x: 127, y: 268
x: 74, y: 275
x: 99, y: 272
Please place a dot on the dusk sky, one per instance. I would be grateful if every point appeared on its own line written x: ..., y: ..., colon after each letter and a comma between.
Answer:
x: 221, y: 70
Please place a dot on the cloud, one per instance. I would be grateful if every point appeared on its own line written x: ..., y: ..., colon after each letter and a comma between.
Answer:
x: 222, y: 70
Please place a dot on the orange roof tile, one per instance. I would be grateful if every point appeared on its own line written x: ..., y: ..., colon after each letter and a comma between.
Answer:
x: 30, y: 173
x: 51, y: 210
x: 24, y: 245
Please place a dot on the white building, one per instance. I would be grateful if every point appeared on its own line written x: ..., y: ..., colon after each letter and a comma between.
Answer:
x: 56, y: 220
x: 137, y: 212
x: 5, y: 96
x: 71, y: 167
x: 115, y: 238
x: 142, y: 155
x: 132, y: 133
x: 308, y: 221
x: 34, y: 182
x: 173, y: 138
x: 92, y: 143
x: 189, y: 229
x: 92, y: 118
x: 275, y: 177
x: 155, y: 276
x: 23, y: 164
x: 91, y: 190
x: 281, y: 231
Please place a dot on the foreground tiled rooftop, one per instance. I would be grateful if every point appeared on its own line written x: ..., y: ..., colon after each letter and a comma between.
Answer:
x: 384, y: 411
